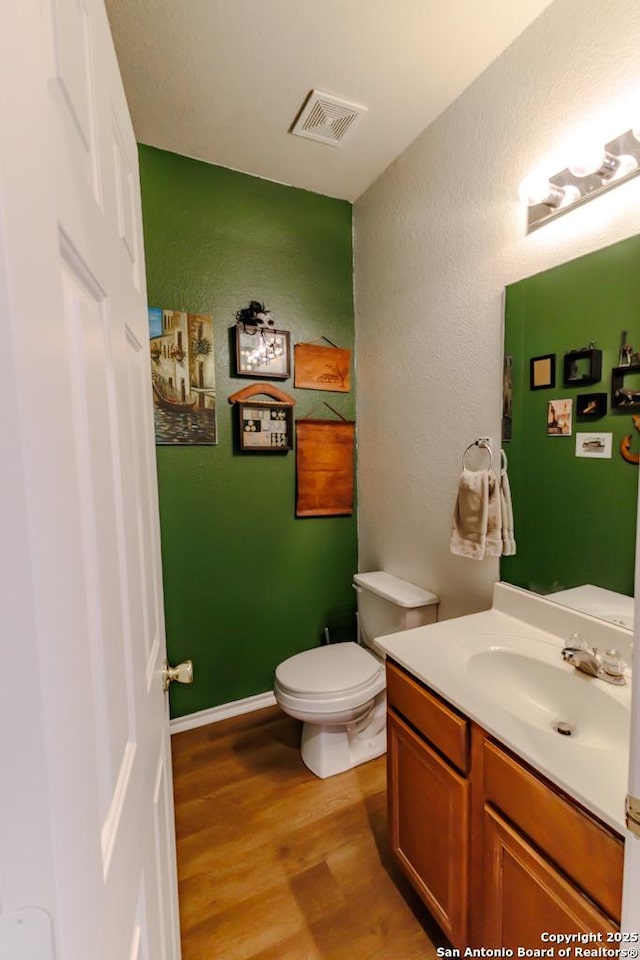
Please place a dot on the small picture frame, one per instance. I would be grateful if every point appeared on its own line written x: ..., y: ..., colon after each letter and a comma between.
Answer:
x: 542, y: 372
x: 582, y: 366
x: 560, y: 418
x: 591, y: 406
x: 595, y: 445
x: 262, y: 353
x: 625, y: 387
x: 265, y: 427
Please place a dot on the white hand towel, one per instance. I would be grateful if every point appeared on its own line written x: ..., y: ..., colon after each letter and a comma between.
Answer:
x: 508, y: 536
x: 493, y: 547
x: 469, y: 532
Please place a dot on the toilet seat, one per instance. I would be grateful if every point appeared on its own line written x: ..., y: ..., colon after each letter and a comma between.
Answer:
x: 329, y: 672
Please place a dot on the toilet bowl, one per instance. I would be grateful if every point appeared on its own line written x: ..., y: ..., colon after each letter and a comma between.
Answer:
x: 338, y: 690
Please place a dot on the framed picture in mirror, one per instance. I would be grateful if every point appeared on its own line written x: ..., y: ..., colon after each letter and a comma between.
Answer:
x: 582, y: 366
x: 594, y: 445
x: 625, y: 386
x: 542, y: 372
x: 591, y: 405
x: 559, y: 418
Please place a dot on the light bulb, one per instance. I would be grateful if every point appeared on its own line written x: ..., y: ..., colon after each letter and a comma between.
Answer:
x: 595, y: 160
x: 626, y: 165
x: 588, y: 160
x: 534, y: 189
x: 537, y: 189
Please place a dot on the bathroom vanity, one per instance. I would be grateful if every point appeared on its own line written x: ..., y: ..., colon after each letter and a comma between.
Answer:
x: 507, y: 827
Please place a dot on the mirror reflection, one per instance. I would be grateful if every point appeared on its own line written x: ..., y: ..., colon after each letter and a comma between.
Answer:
x: 572, y: 344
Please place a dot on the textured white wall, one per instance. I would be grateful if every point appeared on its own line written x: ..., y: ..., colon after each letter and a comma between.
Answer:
x: 437, y: 237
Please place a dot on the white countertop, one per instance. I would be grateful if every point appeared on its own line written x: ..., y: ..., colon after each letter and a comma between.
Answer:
x: 601, y: 603
x: 590, y: 769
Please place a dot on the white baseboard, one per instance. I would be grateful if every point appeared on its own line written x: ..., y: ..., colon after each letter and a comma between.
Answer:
x: 225, y: 710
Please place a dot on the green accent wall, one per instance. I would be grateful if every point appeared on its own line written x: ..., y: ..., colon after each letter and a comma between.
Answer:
x: 574, y: 517
x: 246, y: 584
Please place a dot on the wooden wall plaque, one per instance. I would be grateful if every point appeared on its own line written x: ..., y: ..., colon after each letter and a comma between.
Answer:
x: 322, y: 368
x: 324, y: 468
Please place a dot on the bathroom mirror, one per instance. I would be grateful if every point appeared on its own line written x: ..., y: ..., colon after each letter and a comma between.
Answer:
x: 575, y: 516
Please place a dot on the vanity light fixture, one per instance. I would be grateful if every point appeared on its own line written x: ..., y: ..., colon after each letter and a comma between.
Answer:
x: 594, y: 170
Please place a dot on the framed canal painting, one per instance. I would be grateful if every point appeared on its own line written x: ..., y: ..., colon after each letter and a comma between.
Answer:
x: 183, y: 377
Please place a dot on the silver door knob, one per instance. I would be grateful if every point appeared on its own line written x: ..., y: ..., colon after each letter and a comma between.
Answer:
x: 182, y: 672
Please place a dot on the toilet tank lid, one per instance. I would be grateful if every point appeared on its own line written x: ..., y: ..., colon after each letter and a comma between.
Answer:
x: 398, y: 591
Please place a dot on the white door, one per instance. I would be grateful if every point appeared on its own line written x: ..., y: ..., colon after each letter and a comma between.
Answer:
x: 631, y: 890
x: 86, y: 811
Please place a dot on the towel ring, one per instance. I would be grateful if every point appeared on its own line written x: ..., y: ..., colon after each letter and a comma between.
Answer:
x: 481, y: 442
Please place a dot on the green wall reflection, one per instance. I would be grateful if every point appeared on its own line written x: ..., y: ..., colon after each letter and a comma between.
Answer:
x: 575, y: 518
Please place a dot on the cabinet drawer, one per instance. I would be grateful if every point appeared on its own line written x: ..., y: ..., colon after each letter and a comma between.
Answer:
x: 444, y: 728
x: 570, y: 837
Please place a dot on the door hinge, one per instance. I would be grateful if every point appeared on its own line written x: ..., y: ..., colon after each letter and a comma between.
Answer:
x: 632, y: 814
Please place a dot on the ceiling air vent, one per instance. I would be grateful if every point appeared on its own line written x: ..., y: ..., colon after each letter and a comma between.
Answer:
x: 326, y: 118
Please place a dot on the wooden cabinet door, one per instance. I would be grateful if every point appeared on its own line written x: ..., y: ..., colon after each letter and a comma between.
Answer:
x: 428, y: 826
x: 524, y: 895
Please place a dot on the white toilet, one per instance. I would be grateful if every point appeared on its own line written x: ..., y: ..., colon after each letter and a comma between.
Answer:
x: 338, y: 690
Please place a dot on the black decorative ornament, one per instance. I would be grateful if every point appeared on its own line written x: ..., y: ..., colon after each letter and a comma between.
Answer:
x: 255, y: 315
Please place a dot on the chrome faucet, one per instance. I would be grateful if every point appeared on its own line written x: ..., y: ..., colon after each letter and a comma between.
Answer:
x: 609, y: 668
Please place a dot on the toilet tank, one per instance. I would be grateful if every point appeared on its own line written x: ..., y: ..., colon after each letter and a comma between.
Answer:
x: 387, y: 604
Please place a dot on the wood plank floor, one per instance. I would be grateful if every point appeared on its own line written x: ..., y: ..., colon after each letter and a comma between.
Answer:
x: 275, y: 864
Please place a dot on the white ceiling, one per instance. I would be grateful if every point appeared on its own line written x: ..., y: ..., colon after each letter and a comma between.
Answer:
x: 223, y: 80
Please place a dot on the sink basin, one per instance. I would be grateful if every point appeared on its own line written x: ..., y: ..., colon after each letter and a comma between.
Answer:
x: 529, y: 680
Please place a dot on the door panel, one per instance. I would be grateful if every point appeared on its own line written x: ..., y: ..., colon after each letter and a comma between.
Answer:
x: 74, y: 59
x: 103, y: 548
x: 125, y: 191
x: 143, y: 518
